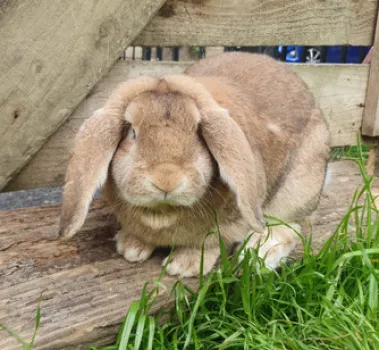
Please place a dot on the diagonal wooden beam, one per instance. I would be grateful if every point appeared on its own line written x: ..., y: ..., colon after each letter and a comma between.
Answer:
x: 52, y: 54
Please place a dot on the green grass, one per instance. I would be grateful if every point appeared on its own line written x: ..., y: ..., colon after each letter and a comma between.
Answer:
x: 328, y: 300
x: 350, y: 152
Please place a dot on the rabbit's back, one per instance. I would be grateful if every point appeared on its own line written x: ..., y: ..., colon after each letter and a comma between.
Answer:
x: 265, y: 86
x: 271, y: 104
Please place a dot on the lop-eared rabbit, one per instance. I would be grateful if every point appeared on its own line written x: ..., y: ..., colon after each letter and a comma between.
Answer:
x: 237, y: 134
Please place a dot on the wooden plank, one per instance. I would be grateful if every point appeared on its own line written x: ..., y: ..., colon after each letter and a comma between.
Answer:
x: 52, y: 53
x: 373, y: 161
x: 370, y: 124
x: 256, y: 22
x: 87, y: 288
x: 339, y: 91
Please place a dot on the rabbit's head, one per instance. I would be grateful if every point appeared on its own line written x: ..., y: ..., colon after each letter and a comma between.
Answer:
x: 162, y: 140
x: 161, y: 159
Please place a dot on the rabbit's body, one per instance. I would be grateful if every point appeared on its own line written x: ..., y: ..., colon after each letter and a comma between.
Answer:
x: 272, y: 159
x: 266, y: 105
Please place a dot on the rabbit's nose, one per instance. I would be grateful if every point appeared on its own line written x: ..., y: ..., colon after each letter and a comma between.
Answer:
x: 167, y: 177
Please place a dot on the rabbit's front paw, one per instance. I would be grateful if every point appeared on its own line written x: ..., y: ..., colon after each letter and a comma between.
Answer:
x: 185, y: 262
x: 132, y: 248
x: 274, y: 246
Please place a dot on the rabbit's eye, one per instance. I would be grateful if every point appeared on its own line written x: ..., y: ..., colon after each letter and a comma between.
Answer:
x: 128, y: 133
x: 133, y: 134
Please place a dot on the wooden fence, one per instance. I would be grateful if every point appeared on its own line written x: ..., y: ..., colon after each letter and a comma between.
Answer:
x: 59, y: 62
x: 55, y: 72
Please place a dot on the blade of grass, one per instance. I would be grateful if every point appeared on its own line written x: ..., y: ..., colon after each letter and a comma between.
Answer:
x: 129, y: 323
x: 16, y: 336
x: 139, y: 331
x: 37, y: 323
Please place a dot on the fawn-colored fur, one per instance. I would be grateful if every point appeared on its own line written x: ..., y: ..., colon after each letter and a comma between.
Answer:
x: 237, y: 134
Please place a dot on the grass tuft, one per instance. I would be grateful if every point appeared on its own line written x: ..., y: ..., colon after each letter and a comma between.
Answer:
x: 350, y: 152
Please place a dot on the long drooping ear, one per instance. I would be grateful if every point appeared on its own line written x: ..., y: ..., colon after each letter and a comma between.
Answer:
x: 240, y: 168
x: 93, y: 151
x: 87, y: 168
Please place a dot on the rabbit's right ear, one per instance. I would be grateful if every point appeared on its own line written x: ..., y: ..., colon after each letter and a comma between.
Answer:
x: 241, y: 167
x: 87, y: 168
x: 94, y: 147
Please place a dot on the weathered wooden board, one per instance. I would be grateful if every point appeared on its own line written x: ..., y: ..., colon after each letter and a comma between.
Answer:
x: 52, y: 53
x: 339, y: 90
x: 86, y: 287
x: 370, y: 124
x: 257, y: 22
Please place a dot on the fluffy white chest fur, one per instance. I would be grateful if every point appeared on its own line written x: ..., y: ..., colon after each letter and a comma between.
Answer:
x: 159, y: 221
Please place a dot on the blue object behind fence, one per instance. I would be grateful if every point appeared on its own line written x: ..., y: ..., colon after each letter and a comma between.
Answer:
x: 333, y: 54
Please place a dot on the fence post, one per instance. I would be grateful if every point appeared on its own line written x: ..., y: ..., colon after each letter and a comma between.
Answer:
x: 370, y: 122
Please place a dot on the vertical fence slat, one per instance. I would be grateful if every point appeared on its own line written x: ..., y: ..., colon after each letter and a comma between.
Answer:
x: 370, y: 123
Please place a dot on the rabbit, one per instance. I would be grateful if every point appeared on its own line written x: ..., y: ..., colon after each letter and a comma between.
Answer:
x: 236, y: 134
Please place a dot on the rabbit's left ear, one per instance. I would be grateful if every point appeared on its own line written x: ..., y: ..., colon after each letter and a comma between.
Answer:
x: 240, y: 168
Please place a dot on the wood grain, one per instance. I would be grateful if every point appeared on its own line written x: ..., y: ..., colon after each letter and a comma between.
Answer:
x: 257, y: 22
x: 52, y: 54
x: 86, y: 287
x: 370, y: 124
x: 339, y: 91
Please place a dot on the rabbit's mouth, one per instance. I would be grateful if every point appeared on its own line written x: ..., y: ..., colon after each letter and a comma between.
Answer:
x: 163, y: 207
x: 166, y: 204
x: 160, y: 202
